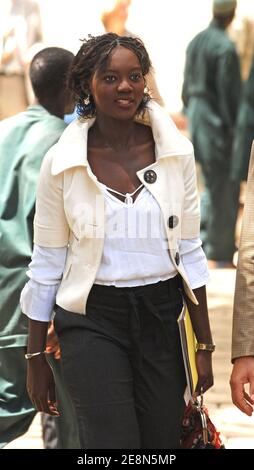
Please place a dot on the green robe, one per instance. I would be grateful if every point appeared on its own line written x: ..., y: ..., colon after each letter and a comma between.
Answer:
x: 24, y: 141
x: 244, y: 134
x: 211, y: 94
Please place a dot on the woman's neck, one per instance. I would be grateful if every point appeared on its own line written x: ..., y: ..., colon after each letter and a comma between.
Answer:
x: 120, y: 136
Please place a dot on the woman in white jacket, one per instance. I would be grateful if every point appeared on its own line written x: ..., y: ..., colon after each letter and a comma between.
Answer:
x: 116, y: 245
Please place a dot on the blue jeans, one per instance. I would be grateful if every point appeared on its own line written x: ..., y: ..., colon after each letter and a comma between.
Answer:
x: 123, y: 366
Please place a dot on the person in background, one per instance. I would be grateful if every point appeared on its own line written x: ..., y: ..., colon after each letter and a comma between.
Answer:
x: 241, y: 31
x: 114, y: 16
x: 116, y: 247
x: 20, y: 30
x: 243, y: 313
x: 24, y: 140
x: 244, y: 131
x: 244, y: 134
x: 211, y: 94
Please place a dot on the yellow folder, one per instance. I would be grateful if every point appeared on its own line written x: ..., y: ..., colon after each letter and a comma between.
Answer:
x: 188, y: 342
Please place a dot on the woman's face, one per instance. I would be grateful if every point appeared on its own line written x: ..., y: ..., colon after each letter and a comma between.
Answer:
x: 118, y: 89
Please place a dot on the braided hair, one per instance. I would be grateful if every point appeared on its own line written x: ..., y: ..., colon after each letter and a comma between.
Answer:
x: 93, y: 56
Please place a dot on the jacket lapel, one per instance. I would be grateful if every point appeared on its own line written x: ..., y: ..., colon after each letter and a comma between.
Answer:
x: 71, y: 149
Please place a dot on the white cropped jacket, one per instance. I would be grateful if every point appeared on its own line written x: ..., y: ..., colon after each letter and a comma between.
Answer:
x: 70, y: 204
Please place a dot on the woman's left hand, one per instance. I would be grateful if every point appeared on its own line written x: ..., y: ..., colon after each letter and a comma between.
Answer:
x: 205, y: 371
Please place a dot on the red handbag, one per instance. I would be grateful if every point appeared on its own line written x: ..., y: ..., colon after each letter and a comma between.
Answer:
x: 198, y: 431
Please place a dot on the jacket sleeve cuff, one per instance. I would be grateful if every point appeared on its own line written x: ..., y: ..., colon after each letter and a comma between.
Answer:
x: 37, y: 300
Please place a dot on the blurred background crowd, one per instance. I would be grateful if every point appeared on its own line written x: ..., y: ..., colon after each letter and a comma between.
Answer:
x: 165, y: 27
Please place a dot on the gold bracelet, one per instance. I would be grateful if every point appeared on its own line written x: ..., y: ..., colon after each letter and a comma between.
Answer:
x: 205, y: 347
x: 30, y: 355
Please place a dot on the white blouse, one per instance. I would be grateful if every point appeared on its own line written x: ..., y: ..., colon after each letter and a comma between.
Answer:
x: 135, y: 253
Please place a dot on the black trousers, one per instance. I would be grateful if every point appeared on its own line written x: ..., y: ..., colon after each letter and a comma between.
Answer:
x: 61, y: 432
x: 123, y: 366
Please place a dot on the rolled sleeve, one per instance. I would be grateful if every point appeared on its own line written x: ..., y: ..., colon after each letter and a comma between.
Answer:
x: 37, y: 301
x: 47, y: 264
x: 45, y: 271
x: 194, y: 262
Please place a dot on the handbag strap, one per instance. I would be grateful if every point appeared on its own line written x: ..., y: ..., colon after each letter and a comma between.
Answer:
x: 199, y: 405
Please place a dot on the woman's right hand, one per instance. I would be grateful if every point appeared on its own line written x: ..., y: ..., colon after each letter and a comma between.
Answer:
x: 205, y: 371
x: 41, y: 385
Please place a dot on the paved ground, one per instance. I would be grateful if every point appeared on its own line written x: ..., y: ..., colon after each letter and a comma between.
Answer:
x: 236, y: 428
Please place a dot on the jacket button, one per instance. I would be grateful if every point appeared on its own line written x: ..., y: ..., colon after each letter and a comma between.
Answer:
x: 150, y: 176
x: 177, y: 258
x: 173, y: 221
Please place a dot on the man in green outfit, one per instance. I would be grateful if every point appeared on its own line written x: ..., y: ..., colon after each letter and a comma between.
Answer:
x: 211, y: 94
x: 244, y: 133
x: 24, y: 140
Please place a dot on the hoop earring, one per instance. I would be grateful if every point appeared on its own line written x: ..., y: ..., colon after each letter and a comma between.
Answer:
x: 146, y: 98
x: 87, y: 100
x: 146, y: 89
